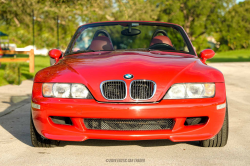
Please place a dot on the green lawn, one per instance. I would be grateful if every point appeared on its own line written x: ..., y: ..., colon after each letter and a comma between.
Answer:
x: 40, y: 63
x: 43, y: 61
x: 232, y: 56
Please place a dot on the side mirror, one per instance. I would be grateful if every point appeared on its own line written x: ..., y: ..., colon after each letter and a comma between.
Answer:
x: 206, y: 54
x: 55, y: 54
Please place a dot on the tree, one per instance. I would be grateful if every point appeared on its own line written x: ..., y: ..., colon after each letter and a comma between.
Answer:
x: 17, y: 21
x: 199, y: 18
x: 235, y: 28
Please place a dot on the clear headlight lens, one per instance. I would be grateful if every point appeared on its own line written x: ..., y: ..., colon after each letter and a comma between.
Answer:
x: 194, y: 90
x: 177, y: 91
x: 79, y: 91
x: 191, y: 90
x: 63, y: 90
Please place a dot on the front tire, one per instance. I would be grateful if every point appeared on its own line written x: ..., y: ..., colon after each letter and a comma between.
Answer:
x: 220, y: 139
x: 37, y: 140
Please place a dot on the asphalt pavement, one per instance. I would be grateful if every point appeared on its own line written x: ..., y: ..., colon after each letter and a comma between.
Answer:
x: 16, y: 148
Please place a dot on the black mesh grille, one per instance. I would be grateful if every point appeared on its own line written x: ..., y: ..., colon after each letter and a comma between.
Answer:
x: 132, y: 124
x: 142, y: 89
x: 114, y: 90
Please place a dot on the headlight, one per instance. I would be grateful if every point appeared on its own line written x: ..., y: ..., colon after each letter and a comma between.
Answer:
x: 63, y: 90
x: 190, y: 90
x: 176, y: 91
x: 79, y: 91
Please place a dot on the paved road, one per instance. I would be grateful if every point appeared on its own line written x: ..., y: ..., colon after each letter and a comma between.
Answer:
x: 16, y: 149
x: 11, y: 95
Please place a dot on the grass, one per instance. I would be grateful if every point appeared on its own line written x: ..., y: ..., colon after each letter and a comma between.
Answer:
x: 232, y: 56
x: 40, y: 63
x: 43, y: 61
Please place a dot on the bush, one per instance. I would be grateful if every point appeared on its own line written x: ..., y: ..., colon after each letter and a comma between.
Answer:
x: 223, y: 48
x: 12, y: 73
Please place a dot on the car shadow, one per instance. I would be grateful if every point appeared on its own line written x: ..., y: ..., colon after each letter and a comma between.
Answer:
x: 142, y: 143
x: 16, y: 121
x: 15, y: 118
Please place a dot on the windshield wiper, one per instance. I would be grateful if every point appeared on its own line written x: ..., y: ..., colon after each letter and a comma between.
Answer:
x: 170, y: 50
x: 81, y: 51
x: 156, y: 50
x: 84, y: 51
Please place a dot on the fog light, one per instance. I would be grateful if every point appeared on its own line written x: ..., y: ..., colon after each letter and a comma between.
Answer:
x: 36, y: 106
x: 221, y: 106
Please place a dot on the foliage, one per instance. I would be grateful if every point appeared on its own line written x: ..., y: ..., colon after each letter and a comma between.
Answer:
x: 242, y: 55
x: 40, y: 63
x: 199, y: 18
x: 12, y: 73
x: 17, y: 17
x: 235, y: 29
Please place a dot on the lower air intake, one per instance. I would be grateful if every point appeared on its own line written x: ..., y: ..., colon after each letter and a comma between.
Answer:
x: 131, y: 124
x: 61, y: 120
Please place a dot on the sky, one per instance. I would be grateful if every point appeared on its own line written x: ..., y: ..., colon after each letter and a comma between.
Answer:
x: 239, y: 1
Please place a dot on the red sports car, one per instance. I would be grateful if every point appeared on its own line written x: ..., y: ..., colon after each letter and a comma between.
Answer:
x: 129, y: 80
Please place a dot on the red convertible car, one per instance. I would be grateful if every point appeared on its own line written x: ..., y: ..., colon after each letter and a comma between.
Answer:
x: 129, y: 80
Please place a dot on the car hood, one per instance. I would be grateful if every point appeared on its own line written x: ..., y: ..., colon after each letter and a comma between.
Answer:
x: 164, y: 69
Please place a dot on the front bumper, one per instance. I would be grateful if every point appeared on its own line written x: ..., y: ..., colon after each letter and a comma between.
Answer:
x: 78, y: 109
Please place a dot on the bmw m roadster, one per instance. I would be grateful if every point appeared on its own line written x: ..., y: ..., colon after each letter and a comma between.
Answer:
x: 129, y: 80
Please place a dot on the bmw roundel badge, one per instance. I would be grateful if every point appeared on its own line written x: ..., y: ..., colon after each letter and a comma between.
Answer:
x: 128, y: 76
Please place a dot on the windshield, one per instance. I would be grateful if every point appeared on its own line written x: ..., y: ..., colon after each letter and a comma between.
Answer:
x: 129, y: 36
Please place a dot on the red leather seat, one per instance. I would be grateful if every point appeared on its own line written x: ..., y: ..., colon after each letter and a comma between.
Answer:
x: 101, y: 43
x: 161, y: 39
